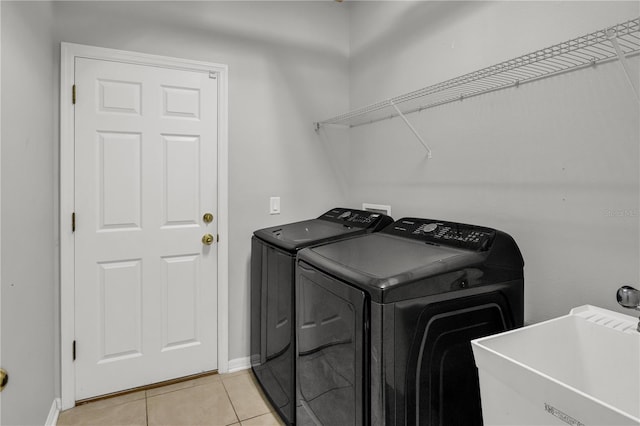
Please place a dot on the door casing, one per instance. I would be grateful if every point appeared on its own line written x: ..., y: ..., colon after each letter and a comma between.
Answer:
x: 69, y: 51
x: 0, y: 210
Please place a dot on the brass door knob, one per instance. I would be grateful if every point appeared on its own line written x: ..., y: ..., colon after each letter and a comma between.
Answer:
x: 4, y: 379
x: 207, y: 239
x: 207, y: 218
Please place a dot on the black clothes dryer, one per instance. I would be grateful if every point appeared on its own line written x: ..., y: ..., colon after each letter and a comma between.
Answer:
x: 384, y: 322
x: 273, y: 252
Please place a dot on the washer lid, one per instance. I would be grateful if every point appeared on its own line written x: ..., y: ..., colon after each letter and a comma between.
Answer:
x: 338, y: 222
x: 380, y: 262
x: 294, y: 236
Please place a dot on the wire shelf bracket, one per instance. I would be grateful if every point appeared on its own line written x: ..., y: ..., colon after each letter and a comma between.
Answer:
x: 415, y: 132
x: 619, y: 42
x: 612, y: 36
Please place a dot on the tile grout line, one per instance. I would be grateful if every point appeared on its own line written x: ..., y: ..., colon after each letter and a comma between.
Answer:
x: 231, y: 402
x: 271, y: 409
x: 264, y: 414
x: 146, y: 407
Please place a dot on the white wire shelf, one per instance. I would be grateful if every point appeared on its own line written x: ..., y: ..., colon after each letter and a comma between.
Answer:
x: 619, y: 41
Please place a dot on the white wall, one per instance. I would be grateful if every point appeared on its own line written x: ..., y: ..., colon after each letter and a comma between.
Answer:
x: 552, y: 162
x: 287, y: 65
x: 29, y: 289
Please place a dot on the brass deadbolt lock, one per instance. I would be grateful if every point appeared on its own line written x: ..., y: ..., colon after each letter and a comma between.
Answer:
x: 207, y: 239
x: 4, y: 379
x: 208, y: 218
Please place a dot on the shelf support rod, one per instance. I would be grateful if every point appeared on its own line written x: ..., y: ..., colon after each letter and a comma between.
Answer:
x: 611, y: 35
x: 415, y: 132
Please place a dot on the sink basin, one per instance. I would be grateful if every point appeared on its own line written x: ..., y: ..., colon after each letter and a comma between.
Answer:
x: 579, y: 369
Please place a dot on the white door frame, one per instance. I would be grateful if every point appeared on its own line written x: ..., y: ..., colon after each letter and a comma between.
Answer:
x: 0, y: 209
x: 69, y: 51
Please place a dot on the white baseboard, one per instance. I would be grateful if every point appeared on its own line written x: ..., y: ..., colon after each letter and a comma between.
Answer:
x: 52, y: 419
x: 239, y: 364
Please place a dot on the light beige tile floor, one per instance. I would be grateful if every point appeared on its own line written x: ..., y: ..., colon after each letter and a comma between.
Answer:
x: 227, y: 399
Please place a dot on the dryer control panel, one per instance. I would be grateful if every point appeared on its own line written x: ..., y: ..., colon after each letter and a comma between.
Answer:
x: 433, y: 231
x: 357, y: 218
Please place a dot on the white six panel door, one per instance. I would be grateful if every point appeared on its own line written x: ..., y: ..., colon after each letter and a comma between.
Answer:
x: 145, y: 174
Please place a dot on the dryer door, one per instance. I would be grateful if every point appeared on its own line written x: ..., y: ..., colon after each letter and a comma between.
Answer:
x: 331, y: 362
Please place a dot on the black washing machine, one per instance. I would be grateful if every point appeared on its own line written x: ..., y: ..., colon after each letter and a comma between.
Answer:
x: 384, y: 322
x: 273, y: 252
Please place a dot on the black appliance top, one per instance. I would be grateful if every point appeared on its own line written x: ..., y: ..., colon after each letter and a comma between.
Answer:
x: 451, y: 255
x: 332, y: 225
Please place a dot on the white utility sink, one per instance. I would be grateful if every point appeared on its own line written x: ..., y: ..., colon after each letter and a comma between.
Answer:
x: 579, y: 369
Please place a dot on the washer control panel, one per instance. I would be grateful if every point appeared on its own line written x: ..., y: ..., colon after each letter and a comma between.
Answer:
x: 357, y: 218
x: 461, y: 235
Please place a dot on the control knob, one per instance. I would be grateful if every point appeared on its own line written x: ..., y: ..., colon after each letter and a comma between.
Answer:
x: 430, y: 227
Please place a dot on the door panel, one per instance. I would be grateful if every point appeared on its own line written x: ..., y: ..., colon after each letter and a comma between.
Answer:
x: 181, y: 200
x: 121, y: 97
x: 119, y: 180
x: 180, y: 284
x: 120, y: 310
x: 145, y: 173
x: 181, y: 102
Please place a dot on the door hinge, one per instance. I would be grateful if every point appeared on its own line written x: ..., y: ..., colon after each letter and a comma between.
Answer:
x: 73, y: 350
x: 217, y: 238
x: 73, y: 94
x: 73, y: 222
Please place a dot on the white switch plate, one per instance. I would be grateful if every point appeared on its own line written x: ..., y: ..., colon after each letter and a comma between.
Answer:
x: 274, y: 205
